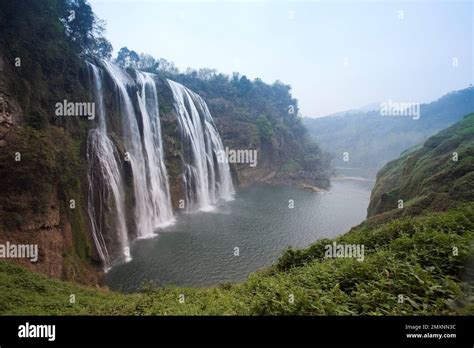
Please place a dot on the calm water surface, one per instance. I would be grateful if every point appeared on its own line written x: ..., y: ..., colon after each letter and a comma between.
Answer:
x: 199, y: 249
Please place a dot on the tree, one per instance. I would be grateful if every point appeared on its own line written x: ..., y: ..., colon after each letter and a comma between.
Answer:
x: 191, y: 72
x: 167, y: 66
x: 102, y: 49
x: 265, y: 127
x: 84, y: 30
x: 122, y: 56
x: 126, y: 58
x: 206, y: 74
x: 147, y: 62
x: 134, y: 58
x: 244, y: 85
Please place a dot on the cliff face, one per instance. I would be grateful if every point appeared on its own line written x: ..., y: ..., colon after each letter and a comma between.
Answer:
x: 435, y: 176
x: 52, y: 233
x: 41, y: 171
x: 275, y: 159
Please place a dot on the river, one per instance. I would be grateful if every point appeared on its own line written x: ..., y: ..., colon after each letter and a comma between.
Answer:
x: 242, y: 235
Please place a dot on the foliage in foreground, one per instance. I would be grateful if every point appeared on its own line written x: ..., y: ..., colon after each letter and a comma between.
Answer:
x: 412, y: 257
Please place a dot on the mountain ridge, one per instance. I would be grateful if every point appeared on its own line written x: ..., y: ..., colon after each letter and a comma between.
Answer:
x: 371, y: 140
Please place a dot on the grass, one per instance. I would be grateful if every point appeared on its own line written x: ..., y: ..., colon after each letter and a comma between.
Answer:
x: 408, y: 258
x: 430, y: 171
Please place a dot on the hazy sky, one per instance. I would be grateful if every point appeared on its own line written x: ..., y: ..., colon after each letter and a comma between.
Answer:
x: 336, y: 55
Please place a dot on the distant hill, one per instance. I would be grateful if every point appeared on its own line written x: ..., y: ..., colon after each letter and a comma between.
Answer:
x: 362, y: 109
x: 372, y: 140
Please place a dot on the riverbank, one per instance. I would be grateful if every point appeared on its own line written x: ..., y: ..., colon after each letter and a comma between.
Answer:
x: 398, y: 261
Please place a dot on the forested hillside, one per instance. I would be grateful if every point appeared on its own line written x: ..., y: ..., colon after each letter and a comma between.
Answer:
x: 371, y: 140
x: 436, y: 176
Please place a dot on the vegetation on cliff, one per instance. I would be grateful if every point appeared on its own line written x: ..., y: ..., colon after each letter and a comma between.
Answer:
x: 435, y: 176
x: 41, y: 51
x: 42, y: 157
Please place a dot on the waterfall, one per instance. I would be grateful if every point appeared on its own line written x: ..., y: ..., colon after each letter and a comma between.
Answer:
x: 145, y: 151
x: 205, y: 179
x: 105, y: 192
x: 145, y: 154
x: 146, y: 185
x: 134, y: 152
x: 160, y: 200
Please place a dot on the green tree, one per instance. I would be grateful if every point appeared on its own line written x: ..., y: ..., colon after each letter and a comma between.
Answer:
x: 244, y: 85
x: 265, y: 127
x: 122, y: 56
x: 126, y: 58
x: 84, y: 30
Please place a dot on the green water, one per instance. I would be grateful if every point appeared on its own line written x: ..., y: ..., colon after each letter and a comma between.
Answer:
x: 199, y: 250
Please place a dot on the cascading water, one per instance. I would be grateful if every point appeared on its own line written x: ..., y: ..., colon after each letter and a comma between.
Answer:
x: 160, y: 200
x: 206, y: 179
x: 105, y: 192
x: 135, y: 154
x: 144, y: 149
